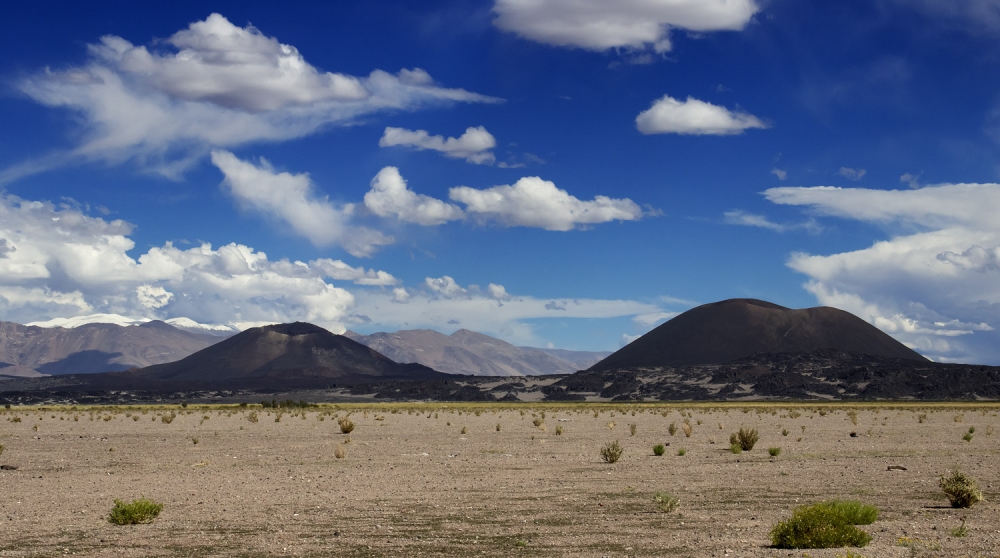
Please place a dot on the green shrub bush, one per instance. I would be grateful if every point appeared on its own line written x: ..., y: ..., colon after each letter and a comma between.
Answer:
x: 961, y: 490
x: 658, y: 449
x: 829, y: 524
x: 138, y: 511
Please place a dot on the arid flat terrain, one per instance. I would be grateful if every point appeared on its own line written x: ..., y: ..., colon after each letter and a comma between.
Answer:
x: 443, y: 479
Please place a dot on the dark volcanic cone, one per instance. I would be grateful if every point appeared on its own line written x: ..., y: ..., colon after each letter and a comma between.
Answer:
x: 721, y: 332
x: 297, y: 351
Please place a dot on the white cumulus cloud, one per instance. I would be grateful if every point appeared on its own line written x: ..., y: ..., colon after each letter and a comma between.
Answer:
x: 291, y: 199
x: 213, y: 85
x: 474, y: 145
x: 60, y: 263
x: 933, y: 283
x: 533, y: 202
x: 693, y: 117
x: 64, y: 263
x: 444, y: 286
x: 152, y: 296
x: 390, y: 197
x: 600, y: 25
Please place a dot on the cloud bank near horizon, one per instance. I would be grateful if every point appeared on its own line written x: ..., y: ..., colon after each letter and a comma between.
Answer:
x: 58, y: 262
x: 933, y: 284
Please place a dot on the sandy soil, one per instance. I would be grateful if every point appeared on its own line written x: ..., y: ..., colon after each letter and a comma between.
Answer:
x: 413, y: 485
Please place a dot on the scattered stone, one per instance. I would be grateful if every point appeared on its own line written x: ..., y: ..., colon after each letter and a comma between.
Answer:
x: 8, y: 467
x: 896, y: 468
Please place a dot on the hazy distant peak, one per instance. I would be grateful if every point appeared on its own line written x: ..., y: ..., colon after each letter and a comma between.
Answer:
x: 78, y: 321
x: 186, y: 324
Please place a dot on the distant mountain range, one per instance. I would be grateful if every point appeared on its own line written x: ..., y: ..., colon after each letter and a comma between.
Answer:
x: 740, y: 349
x: 468, y: 352
x: 110, y: 342
x: 31, y: 351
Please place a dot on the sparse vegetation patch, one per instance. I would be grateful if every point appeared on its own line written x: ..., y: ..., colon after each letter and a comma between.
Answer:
x: 612, y: 452
x: 961, y: 489
x: 138, y: 511
x: 825, y: 525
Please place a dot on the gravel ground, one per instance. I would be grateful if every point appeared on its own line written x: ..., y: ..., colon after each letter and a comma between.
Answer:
x: 411, y: 484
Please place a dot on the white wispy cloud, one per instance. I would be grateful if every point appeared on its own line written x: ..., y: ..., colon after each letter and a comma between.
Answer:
x: 389, y: 196
x: 781, y: 174
x: 693, y: 117
x: 971, y: 15
x: 473, y: 145
x: 654, y: 318
x: 740, y: 217
x: 933, y: 283
x: 852, y: 174
x: 635, y: 24
x: 291, y: 199
x: 533, y: 202
x: 213, y: 85
x: 442, y: 303
x: 911, y: 180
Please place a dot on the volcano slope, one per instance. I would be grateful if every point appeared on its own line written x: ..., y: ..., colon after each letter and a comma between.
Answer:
x: 271, y: 358
x: 286, y: 353
x: 725, y: 331
x: 752, y: 349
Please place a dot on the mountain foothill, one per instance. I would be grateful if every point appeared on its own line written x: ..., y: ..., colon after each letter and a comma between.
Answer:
x: 733, y: 349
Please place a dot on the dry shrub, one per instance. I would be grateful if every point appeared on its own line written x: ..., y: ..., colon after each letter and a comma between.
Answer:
x: 746, y: 438
x: 612, y: 452
x: 346, y: 425
x: 961, y: 489
x: 686, y: 427
x: 339, y: 452
x: 666, y: 502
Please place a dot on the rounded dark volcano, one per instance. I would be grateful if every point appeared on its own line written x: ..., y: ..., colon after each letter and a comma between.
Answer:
x: 724, y: 331
x: 286, y: 351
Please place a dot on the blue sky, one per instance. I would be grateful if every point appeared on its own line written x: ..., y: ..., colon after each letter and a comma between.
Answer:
x: 557, y: 173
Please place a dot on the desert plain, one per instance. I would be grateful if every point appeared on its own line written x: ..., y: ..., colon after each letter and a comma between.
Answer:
x: 439, y: 479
